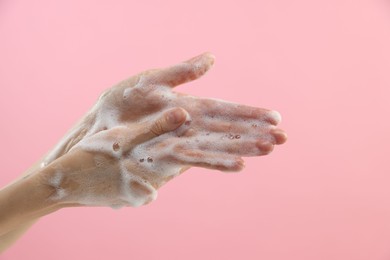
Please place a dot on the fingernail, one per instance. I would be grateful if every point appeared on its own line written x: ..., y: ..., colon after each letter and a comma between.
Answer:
x: 176, y: 116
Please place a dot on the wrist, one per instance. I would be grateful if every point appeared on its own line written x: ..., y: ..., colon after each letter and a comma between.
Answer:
x: 75, y: 135
x: 25, y: 200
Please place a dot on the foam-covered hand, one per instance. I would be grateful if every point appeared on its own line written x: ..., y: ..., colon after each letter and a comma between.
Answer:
x: 125, y: 148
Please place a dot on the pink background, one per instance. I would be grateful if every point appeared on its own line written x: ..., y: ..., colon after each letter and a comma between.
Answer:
x: 325, y: 65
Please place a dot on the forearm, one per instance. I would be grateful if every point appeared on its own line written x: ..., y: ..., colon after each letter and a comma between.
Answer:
x: 21, y: 205
x: 12, y: 227
x: 8, y: 239
x: 22, y: 201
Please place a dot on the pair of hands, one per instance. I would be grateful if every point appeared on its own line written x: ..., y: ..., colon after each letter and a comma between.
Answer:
x: 140, y: 134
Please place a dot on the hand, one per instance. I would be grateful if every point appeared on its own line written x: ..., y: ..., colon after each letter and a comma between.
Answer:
x: 124, y: 142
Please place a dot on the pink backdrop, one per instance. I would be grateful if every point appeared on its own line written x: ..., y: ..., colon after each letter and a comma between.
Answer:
x: 325, y: 65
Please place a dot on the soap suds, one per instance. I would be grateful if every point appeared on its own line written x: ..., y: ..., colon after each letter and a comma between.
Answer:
x: 152, y: 156
x: 135, y: 190
x: 276, y: 116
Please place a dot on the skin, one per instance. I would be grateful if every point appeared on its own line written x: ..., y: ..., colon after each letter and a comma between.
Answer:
x: 102, y: 156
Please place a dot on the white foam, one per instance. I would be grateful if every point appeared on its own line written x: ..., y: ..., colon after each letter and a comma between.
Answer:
x: 135, y: 198
x: 276, y: 116
x: 102, y: 144
x: 140, y: 83
x: 160, y: 166
x: 106, y: 118
x: 55, y: 182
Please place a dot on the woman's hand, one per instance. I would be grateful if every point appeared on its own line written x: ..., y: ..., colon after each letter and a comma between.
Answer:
x: 102, y: 169
x: 130, y: 144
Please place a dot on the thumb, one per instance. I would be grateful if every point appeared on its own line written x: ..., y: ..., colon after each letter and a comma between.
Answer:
x: 167, y: 122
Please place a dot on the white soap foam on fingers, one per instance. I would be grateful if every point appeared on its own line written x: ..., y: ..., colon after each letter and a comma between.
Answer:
x: 229, y: 144
x: 221, y: 125
x: 210, y: 160
x: 240, y: 129
x: 275, y: 116
x: 214, y: 107
x: 128, y: 90
x: 158, y: 159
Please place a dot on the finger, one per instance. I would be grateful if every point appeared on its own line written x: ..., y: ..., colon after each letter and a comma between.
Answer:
x: 232, y: 111
x: 167, y: 122
x: 209, y: 160
x: 183, y: 72
x: 236, y: 127
x: 235, y: 145
x: 279, y: 135
x: 213, y: 125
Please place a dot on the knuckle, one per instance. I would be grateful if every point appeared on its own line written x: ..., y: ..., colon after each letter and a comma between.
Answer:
x: 137, y: 92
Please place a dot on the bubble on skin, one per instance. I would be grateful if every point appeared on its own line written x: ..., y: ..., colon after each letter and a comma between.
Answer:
x: 237, y: 136
x: 142, y: 160
x: 150, y: 159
